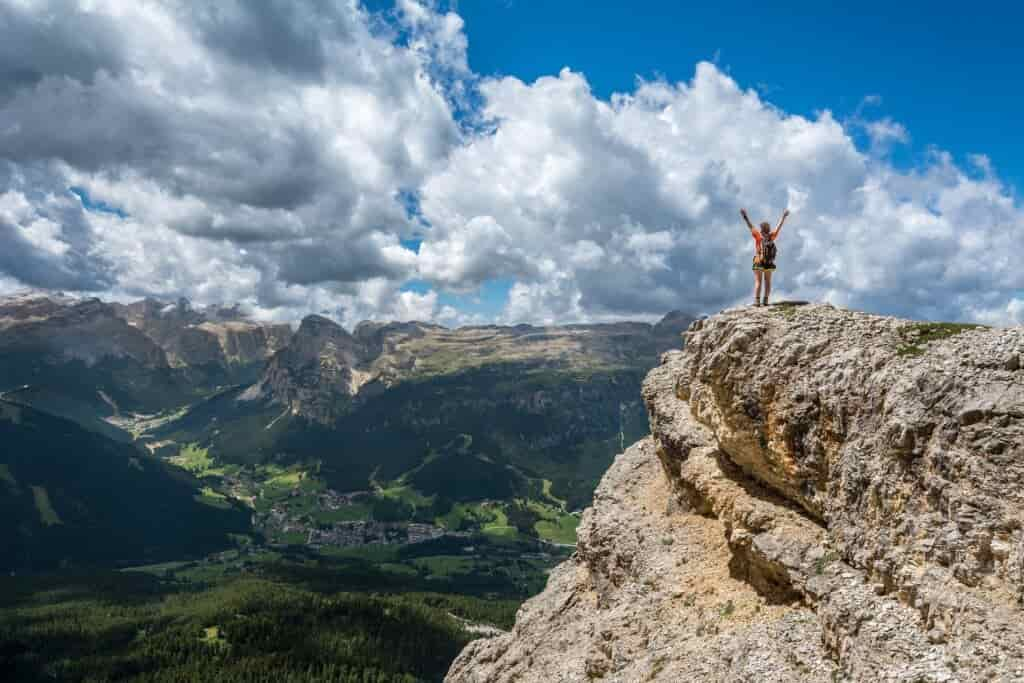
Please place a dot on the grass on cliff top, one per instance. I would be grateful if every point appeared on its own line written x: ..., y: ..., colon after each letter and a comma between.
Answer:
x: 787, y: 308
x: 915, y: 335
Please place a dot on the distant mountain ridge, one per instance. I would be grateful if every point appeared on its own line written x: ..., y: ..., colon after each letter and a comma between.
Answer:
x: 174, y: 352
x: 152, y: 332
x: 539, y: 403
x: 222, y: 334
x: 79, y: 359
x: 66, y: 329
x: 217, y: 335
x: 325, y: 366
x: 542, y: 406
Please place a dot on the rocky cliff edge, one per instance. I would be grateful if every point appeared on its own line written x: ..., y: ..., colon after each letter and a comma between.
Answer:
x: 825, y: 496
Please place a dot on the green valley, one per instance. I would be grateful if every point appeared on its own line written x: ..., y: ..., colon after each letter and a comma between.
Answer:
x: 204, y: 496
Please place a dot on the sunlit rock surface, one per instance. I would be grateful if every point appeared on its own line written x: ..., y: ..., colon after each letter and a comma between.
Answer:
x: 826, y: 496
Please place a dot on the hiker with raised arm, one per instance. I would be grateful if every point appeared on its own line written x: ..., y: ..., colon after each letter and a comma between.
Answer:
x: 764, y: 255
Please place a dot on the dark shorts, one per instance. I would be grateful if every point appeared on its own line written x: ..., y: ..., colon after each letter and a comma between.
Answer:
x: 759, y: 267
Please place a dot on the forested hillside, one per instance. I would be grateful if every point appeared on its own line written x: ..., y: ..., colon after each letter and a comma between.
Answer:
x: 70, y: 497
x: 134, y: 627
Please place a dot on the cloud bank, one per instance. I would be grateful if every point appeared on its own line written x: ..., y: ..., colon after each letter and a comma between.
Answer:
x: 282, y: 154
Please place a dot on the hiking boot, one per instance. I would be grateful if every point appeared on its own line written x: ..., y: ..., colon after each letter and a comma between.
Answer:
x: 756, y: 302
x: 765, y: 302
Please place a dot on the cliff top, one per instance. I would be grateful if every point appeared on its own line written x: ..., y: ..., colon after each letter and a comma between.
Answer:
x: 826, y: 495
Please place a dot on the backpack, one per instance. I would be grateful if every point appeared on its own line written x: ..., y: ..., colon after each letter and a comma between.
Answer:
x: 768, y: 252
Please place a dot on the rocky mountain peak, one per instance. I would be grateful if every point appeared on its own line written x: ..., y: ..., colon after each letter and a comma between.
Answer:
x: 215, y: 336
x: 825, y: 496
x: 29, y: 305
x: 63, y: 329
x: 316, y: 374
x: 318, y: 325
x: 224, y: 312
x: 380, y: 354
x: 318, y: 336
x: 673, y: 322
x: 313, y: 322
x: 369, y: 329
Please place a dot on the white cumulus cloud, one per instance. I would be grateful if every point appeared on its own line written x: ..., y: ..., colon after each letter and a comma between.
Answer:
x: 280, y: 154
x: 630, y: 206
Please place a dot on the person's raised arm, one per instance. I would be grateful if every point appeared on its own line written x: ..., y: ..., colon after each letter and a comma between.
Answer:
x: 785, y: 215
x: 746, y: 219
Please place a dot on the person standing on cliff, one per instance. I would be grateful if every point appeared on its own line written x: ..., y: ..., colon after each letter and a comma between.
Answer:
x: 764, y: 255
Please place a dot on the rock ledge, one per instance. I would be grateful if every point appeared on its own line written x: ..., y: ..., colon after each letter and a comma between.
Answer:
x: 825, y: 496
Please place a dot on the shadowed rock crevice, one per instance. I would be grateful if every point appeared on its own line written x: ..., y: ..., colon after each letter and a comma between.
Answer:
x: 710, y: 484
x: 767, y: 578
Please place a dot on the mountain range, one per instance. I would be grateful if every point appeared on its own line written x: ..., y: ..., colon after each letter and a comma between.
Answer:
x: 499, y: 428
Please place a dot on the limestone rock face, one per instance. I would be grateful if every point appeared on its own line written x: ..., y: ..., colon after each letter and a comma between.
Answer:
x: 324, y: 368
x: 316, y: 374
x: 215, y: 335
x: 63, y: 329
x: 826, y: 495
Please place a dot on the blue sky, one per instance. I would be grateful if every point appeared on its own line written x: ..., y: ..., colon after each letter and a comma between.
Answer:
x: 949, y: 72
x: 949, y: 76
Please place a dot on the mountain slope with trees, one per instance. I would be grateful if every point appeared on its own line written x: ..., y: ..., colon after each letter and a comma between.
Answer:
x: 70, y: 497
